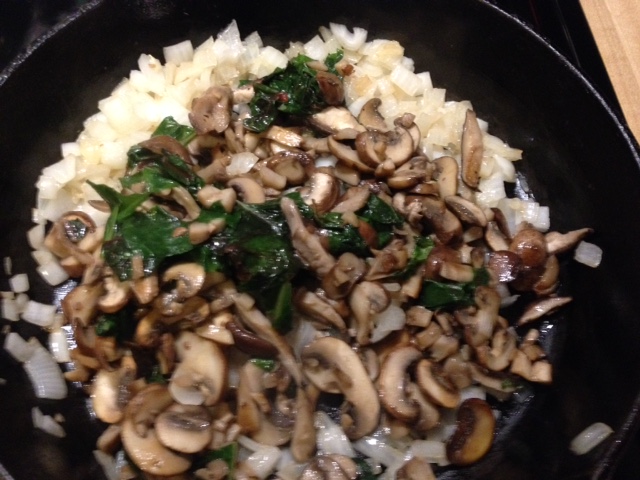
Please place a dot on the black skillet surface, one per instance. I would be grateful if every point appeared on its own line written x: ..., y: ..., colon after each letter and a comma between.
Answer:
x: 578, y: 159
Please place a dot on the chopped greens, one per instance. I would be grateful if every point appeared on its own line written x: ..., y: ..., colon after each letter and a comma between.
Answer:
x: 228, y: 453
x: 266, y: 364
x: 289, y: 91
x: 182, y: 133
x: 449, y: 294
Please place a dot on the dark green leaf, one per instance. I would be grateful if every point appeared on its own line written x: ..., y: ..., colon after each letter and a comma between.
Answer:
x: 421, y: 250
x: 282, y: 313
x: 266, y: 364
x: 365, y: 472
x: 332, y: 59
x: 156, y: 376
x: 182, y: 133
x: 152, y: 179
x: 378, y: 212
x: 448, y: 294
x: 228, y: 453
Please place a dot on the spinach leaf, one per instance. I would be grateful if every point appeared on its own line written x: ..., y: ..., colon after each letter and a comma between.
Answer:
x: 152, y: 178
x: 288, y: 91
x: 421, y: 250
x: 266, y: 364
x: 154, y: 236
x: 450, y: 294
x: 228, y: 453
x: 182, y: 133
x: 365, y: 472
x: 166, y: 170
x: 122, y: 206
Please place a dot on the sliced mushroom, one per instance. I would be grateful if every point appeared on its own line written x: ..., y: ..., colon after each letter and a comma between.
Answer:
x: 322, y: 193
x: 284, y: 136
x: 184, y: 428
x: 81, y: 304
x: 445, y: 224
x: 446, y: 176
x: 201, y: 376
x: 347, y: 155
x: 331, y: 87
x: 105, y: 396
x: 306, y: 244
x: 504, y: 265
x: 145, y: 289
x: 466, y: 210
x: 438, y: 388
x: 370, y: 116
x: 330, y: 467
x: 472, y: 150
x: 400, y: 147
x: 473, y: 436
x: 248, y: 189
x: 366, y: 300
x: 303, y: 437
x: 563, y: 242
x: 499, y: 355
x: 116, y: 296
x: 212, y: 111
x: 348, y: 376
x: 189, y: 278
x: 164, y: 143
x: 292, y: 165
x: 67, y: 232
x: 392, y: 382
x: 346, y: 272
x: 479, y: 326
x: 316, y: 308
x: 333, y: 119
x: 542, y: 307
x: 530, y: 245
x: 139, y: 438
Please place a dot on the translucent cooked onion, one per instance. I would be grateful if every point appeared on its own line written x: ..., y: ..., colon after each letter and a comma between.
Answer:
x: 391, y: 319
x: 47, y: 423
x: 39, y: 314
x: 590, y: 437
x: 330, y: 437
x: 241, y: 163
x: 52, y: 273
x: 178, y: 53
x: 44, y: 373
x: 432, y: 451
x: 588, y: 254
x: 349, y: 40
x: 18, y: 347
x: 59, y: 346
x: 19, y: 283
x: 263, y: 459
x: 108, y: 464
x: 10, y: 309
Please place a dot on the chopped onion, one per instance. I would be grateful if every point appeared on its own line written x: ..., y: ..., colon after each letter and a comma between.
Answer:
x: 35, y: 236
x: 432, y: 451
x: 264, y: 458
x: 58, y: 346
x: 379, y: 450
x: 7, y: 264
x: 391, y: 319
x: 46, y: 423
x: 241, y: 163
x: 44, y: 373
x: 19, y: 283
x: 178, y: 53
x: 39, y: 313
x: 18, y: 347
x: 350, y: 41
x: 108, y: 464
x: 590, y: 437
x: 52, y: 273
x: 588, y: 254
x: 330, y: 437
x: 10, y: 309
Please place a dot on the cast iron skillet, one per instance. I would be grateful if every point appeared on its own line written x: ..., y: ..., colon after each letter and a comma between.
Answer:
x: 579, y: 159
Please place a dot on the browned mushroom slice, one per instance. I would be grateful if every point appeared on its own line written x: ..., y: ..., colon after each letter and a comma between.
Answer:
x: 322, y: 193
x: 548, y: 281
x: 333, y: 119
x: 81, y: 304
x: 184, y: 428
x: 466, y: 210
x: 306, y: 244
x: 530, y: 245
x: 498, y: 384
x: 303, y: 436
x: 499, y: 355
x: 392, y: 383
x: 438, y: 388
x: 212, y: 111
x: 371, y: 147
x: 445, y: 224
x: 164, y: 143
x: 312, y: 305
x: 353, y: 200
x: 472, y: 150
x: 339, y: 281
x: 539, y: 371
x: 283, y: 136
x: 446, y: 175
x: 456, y: 368
x: 349, y: 377
x: 495, y: 238
x: 250, y: 343
x: 367, y: 299
x: 473, y: 436
x: 66, y: 234
x: 505, y: 265
x: 400, y: 146
x: 541, y: 308
x: 331, y: 88
x: 479, y: 325
x: 330, y: 467
x: 416, y: 469
x: 248, y: 189
x: 139, y: 437
x: 391, y: 259
x: 562, y: 242
x: 347, y: 155
x: 371, y: 118
x: 145, y: 289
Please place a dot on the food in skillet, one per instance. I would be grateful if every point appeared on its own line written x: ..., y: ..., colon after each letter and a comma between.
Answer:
x: 296, y: 272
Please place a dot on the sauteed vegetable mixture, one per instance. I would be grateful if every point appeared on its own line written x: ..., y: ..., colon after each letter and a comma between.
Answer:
x: 293, y: 265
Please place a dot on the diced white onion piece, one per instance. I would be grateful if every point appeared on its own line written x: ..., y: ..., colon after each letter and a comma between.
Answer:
x: 40, y: 314
x: 326, y: 161
x: 10, y: 309
x: 432, y: 451
x: 42, y: 257
x: 8, y: 265
x: 350, y: 41
x: 18, y: 347
x: 588, y: 253
x: 330, y: 437
x: 44, y: 373
x: 62, y: 171
x: 473, y: 391
x: 47, y: 423
x: 241, y: 163
x: 379, y: 450
x: 35, y: 236
x: 178, y: 53
x: 52, y: 273
x: 406, y: 80
x: 590, y: 437
x: 264, y: 458
x: 19, y: 283
x: 22, y: 299
x: 391, y: 319
x: 108, y: 464
x: 58, y: 346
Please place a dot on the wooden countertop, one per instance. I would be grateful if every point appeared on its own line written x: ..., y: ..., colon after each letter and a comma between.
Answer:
x: 615, y: 25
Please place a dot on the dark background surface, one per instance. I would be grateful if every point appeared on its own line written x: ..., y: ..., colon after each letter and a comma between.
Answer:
x: 560, y: 21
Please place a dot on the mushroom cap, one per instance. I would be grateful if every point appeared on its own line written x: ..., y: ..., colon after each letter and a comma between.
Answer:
x: 184, y: 428
x: 104, y: 396
x: 349, y: 376
x: 371, y: 118
x: 435, y: 385
x: 141, y: 443
x: 473, y: 436
x: 366, y: 299
x: 472, y: 150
